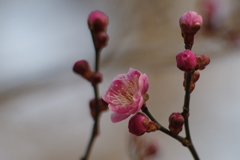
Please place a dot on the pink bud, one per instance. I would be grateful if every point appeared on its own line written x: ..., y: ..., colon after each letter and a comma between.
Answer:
x: 97, y: 21
x: 138, y: 124
x: 186, y: 61
x: 176, y: 122
x: 100, y: 39
x: 82, y: 68
x: 190, y: 22
x: 191, y: 19
x: 96, y: 78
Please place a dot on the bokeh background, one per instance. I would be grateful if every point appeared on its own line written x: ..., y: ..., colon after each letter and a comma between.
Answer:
x: 44, y: 113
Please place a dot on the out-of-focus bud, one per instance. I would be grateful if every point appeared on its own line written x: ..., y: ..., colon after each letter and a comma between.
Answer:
x: 202, y: 61
x: 82, y: 68
x: 195, y: 76
x: 192, y: 85
x: 151, y: 149
x: 176, y: 122
x: 102, y: 106
x: 190, y: 22
x: 100, y: 40
x: 186, y: 61
x: 140, y: 123
x: 97, y: 21
x: 96, y: 78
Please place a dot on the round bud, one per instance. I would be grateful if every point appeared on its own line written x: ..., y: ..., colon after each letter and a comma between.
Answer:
x: 97, y: 21
x: 190, y: 22
x: 176, y: 122
x: 82, y: 68
x: 100, y: 39
x: 186, y: 61
x: 138, y: 124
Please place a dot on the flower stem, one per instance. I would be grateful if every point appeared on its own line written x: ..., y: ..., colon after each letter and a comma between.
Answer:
x: 95, y: 128
x: 185, y: 114
x: 161, y: 128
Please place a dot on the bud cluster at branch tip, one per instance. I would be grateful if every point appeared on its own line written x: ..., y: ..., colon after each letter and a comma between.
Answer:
x: 190, y: 22
x: 176, y: 122
x: 140, y: 123
x: 97, y: 23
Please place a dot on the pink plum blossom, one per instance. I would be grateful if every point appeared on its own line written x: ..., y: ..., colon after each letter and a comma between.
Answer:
x: 126, y: 94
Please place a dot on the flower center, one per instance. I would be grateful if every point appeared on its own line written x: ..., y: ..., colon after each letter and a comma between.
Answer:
x: 123, y: 92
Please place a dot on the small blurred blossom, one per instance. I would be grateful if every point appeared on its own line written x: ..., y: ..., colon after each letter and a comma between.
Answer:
x: 126, y: 94
x: 143, y: 148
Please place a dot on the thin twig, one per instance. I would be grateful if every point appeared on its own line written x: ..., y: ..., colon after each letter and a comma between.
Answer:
x: 95, y: 129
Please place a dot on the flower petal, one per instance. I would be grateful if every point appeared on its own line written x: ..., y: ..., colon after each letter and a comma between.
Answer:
x: 143, y: 83
x: 115, y: 117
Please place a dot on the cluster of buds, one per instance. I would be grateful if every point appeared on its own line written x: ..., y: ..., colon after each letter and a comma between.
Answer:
x: 176, y: 122
x: 97, y: 23
x: 140, y: 123
x: 187, y: 61
x: 82, y: 68
x: 102, y: 106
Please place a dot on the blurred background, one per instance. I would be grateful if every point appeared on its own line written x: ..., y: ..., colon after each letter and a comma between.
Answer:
x: 44, y: 112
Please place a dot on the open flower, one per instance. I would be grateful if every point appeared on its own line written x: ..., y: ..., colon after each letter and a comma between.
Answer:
x: 126, y: 94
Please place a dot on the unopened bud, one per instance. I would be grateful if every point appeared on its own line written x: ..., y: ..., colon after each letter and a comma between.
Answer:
x: 186, y: 61
x: 192, y: 85
x: 195, y: 76
x: 96, y: 78
x: 82, y: 68
x: 140, y: 123
x: 176, y: 122
x: 100, y: 40
x: 202, y: 61
x: 190, y: 22
x: 102, y: 106
x: 97, y: 21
